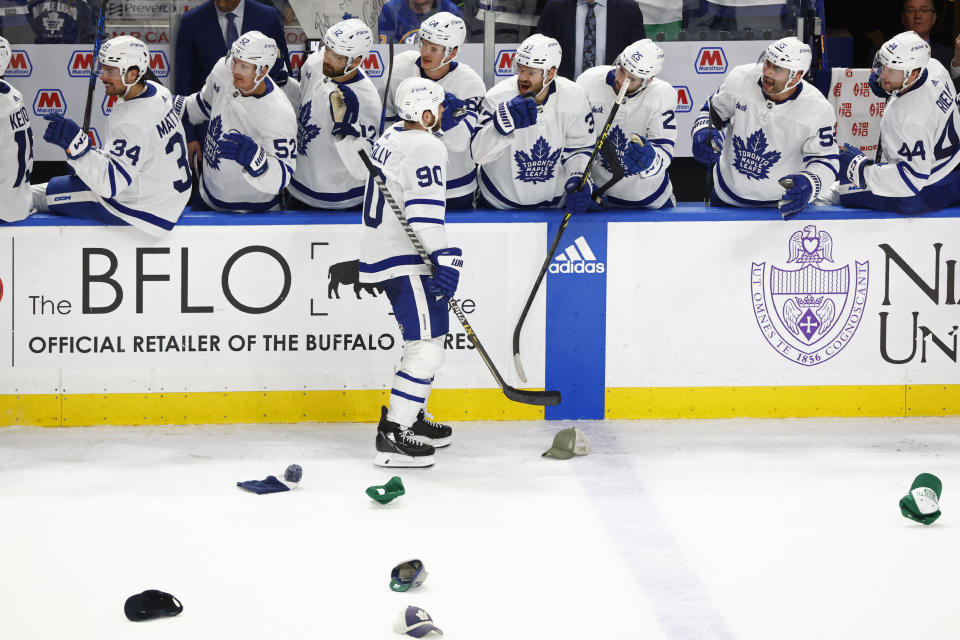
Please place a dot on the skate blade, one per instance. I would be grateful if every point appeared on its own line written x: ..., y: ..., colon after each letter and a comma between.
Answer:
x: 400, y: 461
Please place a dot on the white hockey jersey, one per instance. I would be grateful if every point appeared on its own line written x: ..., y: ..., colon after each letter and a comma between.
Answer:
x: 16, y: 155
x: 766, y: 140
x: 464, y: 83
x: 919, y: 136
x: 649, y: 114
x: 320, y: 180
x: 141, y: 173
x: 268, y: 119
x: 528, y: 168
x: 414, y: 164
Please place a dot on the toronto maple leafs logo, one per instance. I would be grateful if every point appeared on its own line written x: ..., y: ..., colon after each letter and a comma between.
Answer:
x: 538, y: 165
x: 752, y: 158
x: 619, y: 142
x: 211, y: 146
x: 306, y: 131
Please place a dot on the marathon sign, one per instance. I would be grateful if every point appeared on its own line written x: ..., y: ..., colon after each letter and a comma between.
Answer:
x: 684, y: 100
x: 49, y: 101
x: 711, y: 60
x: 372, y: 64
x: 503, y: 67
x: 297, y: 58
x: 20, y: 65
x: 108, y: 103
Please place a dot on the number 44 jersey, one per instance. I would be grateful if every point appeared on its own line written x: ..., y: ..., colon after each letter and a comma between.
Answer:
x: 16, y: 155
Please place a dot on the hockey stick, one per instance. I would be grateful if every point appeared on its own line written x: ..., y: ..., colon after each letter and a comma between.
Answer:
x: 386, y: 88
x: 88, y: 109
x: 563, y: 225
x: 715, y: 123
x: 526, y: 396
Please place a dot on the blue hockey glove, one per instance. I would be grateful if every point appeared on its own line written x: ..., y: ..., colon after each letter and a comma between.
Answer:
x: 344, y: 111
x: 707, y: 144
x: 875, y: 86
x: 516, y: 113
x: 800, y: 190
x: 447, y: 264
x: 66, y: 134
x: 247, y: 153
x: 578, y: 200
x: 852, y: 164
x: 639, y: 156
x: 451, y: 105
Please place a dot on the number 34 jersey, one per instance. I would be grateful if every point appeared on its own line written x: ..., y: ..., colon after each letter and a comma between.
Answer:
x: 413, y: 163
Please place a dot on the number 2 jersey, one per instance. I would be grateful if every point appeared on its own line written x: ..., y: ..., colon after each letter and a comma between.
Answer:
x: 16, y: 155
x: 140, y: 174
x: 413, y: 163
x: 268, y: 119
x: 765, y: 140
x: 650, y: 114
x: 464, y: 83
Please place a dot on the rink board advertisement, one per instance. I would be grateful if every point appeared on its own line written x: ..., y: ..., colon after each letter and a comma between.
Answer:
x: 54, y: 78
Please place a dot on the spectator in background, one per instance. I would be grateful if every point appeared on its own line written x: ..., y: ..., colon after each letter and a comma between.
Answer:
x: 400, y: 19
x: 590, y: 32
x: 920, y: 16
x: 205, y: 36
x: 62, y: 21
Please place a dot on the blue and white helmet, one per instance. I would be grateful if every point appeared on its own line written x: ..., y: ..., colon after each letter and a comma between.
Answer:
x: 415, y: 96
x: 257, y: 49
x: 5, y: 55
x: 444, y: 29
x: 905, y: 51
x: 538, y: 52
x: 788, y: 53
x: 642, y: 59
x: 349, y: 38
x: 125, y: 52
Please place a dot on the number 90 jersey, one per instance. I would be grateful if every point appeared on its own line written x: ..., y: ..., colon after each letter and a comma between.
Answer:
x: 16, y: 155
x: 414, y: 166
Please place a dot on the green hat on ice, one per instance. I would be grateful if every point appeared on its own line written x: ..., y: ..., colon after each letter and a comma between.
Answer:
x: 568, y: 443
x: 384, y: 493
x: 923, y: 502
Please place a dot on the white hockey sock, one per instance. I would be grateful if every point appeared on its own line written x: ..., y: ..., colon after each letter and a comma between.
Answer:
x: 407, y: 397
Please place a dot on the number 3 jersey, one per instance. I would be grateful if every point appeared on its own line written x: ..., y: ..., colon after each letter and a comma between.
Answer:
x: 648, y: 114
x: 527, y: 168
x: 413, y: 163
x: 140, y: 174
x: 268, y: 119
x: 765, y: 140
x: 16, y: 155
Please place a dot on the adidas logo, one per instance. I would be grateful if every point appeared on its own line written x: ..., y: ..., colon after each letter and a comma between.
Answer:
x: 577, y: 258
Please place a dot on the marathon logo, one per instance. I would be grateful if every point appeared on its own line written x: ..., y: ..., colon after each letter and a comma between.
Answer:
x: 684, y: 99
x: 20, y: 65
x: 80, y: 64
x: 297, y: 58
x: 108, y: 103
x: 373, y: 64
x: 503, y: 67
x: 159, y: 64
x: 49, y: 101
x: 94, y: 137
x: 711, y: 60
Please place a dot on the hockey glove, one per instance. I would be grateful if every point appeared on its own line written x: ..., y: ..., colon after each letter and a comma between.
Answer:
x: 801, y: 189
x: 247, y: 153
x: 66, y: 134
x: 453, y: 111
x: 639, y: 156
x: 447, y: 264
x: 516, y: 113
x: 578, y: 200
x: 875, y: 86
x: 344, y: 111
x: 707, y: 145
x: 852, y: 165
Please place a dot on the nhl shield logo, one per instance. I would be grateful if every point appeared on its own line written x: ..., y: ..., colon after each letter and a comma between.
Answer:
x: 809, y: 309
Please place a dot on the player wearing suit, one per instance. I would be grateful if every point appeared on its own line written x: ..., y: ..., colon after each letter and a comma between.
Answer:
x: 919, y: 135
x: 250, y: 151
x: 333, y: 74
x: 531, y: 150
x: 413, y: 163
x: 140, y: 175
x: 440, y: 38
x: 776, y: 126
x: 16, y: 147
x: 646, y: 114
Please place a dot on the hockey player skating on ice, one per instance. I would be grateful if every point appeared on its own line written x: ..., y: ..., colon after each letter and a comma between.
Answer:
x: 250, y: 150
x: 338, y: 113
x: 413, y: 163
x: 919, y: 135
x: 440, y: 38
x: 140, y: 175
x: 532, y: 151
x: 776, y: 126
x: 647, y: 112
x: 16, y: 147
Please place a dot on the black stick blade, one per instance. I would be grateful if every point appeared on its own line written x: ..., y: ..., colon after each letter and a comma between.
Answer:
x: 526, y: 396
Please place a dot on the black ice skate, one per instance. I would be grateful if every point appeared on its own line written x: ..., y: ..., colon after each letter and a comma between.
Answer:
x: 426, y: 431
x: 397, y: 447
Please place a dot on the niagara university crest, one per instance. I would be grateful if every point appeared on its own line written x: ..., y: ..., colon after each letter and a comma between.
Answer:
x: 809, y: 309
